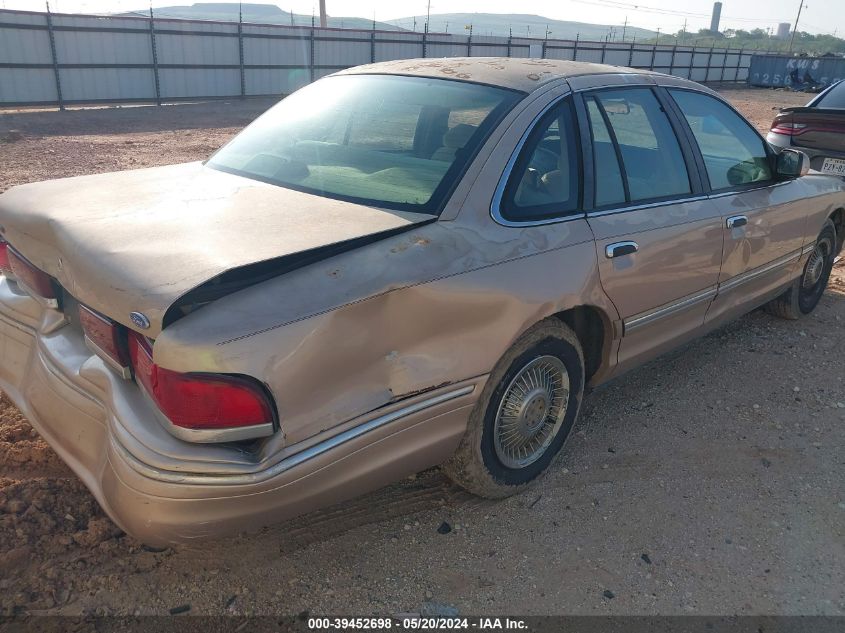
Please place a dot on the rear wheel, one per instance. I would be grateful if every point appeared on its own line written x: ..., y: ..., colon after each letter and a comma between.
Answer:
x: 804, y: 294
x: 524, y: 415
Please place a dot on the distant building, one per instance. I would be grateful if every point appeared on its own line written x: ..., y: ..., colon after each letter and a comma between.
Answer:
x: 717, y: 14
x: 783, y: 30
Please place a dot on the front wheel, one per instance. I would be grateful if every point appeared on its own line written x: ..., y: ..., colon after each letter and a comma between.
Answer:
x: 524, y: 415
x: 804, y: 294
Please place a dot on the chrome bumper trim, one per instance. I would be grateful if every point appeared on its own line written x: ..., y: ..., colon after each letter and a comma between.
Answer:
x: 296, y: 459
x: 123, y: 372
x: 52, y: 304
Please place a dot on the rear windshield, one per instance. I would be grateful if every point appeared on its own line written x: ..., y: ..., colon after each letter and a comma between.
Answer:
x: 833, y: 98
x: 383, y: 140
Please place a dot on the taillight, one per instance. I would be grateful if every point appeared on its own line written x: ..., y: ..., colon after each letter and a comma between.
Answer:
x: 789, y: 129
x: 36, y: 280
x: 200, y: 401
x: 106, y: 339
x: 4, y: 256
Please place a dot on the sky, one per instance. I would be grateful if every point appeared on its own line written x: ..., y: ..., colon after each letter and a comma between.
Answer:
x: 818, y: 16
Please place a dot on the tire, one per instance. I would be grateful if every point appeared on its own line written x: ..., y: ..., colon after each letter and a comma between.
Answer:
x: 804, y: 294
x: 485, y: 462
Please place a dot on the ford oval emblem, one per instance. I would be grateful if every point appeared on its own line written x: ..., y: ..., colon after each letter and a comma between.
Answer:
x: 140, y: 319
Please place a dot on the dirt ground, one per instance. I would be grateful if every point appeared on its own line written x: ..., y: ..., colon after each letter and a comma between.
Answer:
x: 709, y: 482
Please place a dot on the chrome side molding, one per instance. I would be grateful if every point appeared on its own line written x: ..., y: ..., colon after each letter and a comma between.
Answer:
x: 669, y: 309
x: 759, y: 271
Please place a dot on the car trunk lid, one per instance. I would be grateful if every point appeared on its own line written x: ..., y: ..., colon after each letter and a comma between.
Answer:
x: 139, y: 240
x: 813, y: 128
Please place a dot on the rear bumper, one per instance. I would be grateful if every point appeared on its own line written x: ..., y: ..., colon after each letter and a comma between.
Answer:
x: 105, y: 430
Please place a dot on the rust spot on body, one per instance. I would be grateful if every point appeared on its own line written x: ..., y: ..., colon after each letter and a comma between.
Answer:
x: 415, y: 241
x: 417, y: 392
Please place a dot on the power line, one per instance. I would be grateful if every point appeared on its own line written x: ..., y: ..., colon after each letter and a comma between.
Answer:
x: 820, y: 29
x: 614, y: 4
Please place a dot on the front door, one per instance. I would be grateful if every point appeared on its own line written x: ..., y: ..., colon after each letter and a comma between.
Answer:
x: 659, y: 240
x: 762, y: 219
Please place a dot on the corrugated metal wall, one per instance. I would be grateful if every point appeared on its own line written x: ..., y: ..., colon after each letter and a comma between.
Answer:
x: 63, y: 59
x: 780, y: 70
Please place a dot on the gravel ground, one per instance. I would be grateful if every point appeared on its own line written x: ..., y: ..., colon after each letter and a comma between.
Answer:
x: 709, y: 482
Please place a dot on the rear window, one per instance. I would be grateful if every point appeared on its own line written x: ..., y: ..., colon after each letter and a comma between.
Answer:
x: 390, y: 141
x: 833, y: 98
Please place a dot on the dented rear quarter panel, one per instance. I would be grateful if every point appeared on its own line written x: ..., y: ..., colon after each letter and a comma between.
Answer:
x: 343, y: 337
x: 435, y: 305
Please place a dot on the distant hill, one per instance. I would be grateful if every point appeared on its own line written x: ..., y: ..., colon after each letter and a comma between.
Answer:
x: 522, y: 25
x: 256, y: 13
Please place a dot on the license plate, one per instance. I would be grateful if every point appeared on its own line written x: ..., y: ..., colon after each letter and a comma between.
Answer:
x: 835, y: 166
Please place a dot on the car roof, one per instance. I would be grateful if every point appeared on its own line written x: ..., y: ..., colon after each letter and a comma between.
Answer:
x: 524, y: 74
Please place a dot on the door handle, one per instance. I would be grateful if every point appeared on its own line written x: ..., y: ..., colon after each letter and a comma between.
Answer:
x: 618, y: 249
x: 736, y: 221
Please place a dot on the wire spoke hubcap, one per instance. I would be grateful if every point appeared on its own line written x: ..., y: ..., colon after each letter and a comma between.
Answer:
x: 531, y: 412
x: 815, y: 265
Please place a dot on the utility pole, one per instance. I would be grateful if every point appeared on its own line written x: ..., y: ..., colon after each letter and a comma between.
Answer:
x: 792, y: 39
x: 684, y: 32
x: 657, y: 39
x: 428, y: 15
x: 624, y: 28
x: 323, y: 14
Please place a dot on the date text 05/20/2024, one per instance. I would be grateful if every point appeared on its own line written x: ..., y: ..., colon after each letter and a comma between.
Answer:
x: 417, y: 623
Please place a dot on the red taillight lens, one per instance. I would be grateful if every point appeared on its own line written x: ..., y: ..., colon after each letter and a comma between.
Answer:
x: 4, y: 257
x: 199, y: 401
x: 36, y: 280
x: 105, y: 336
x: 789, y: 129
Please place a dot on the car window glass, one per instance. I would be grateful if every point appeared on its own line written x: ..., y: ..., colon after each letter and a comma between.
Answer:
x: 545, y: 180
x: 382, y: 140
x: 390, y: 126
x: 608, y: 175
x: 833, y: 98
x: 734, y: 154
x: 651, y: 155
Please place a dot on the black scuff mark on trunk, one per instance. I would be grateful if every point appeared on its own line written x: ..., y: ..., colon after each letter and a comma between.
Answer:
x: 242, y: 277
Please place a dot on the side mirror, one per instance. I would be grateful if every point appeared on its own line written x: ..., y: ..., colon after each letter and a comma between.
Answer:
x: 792, y: 164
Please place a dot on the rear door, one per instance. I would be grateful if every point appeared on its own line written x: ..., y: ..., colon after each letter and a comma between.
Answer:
x: 659, y: 240
x: 762, y: 218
